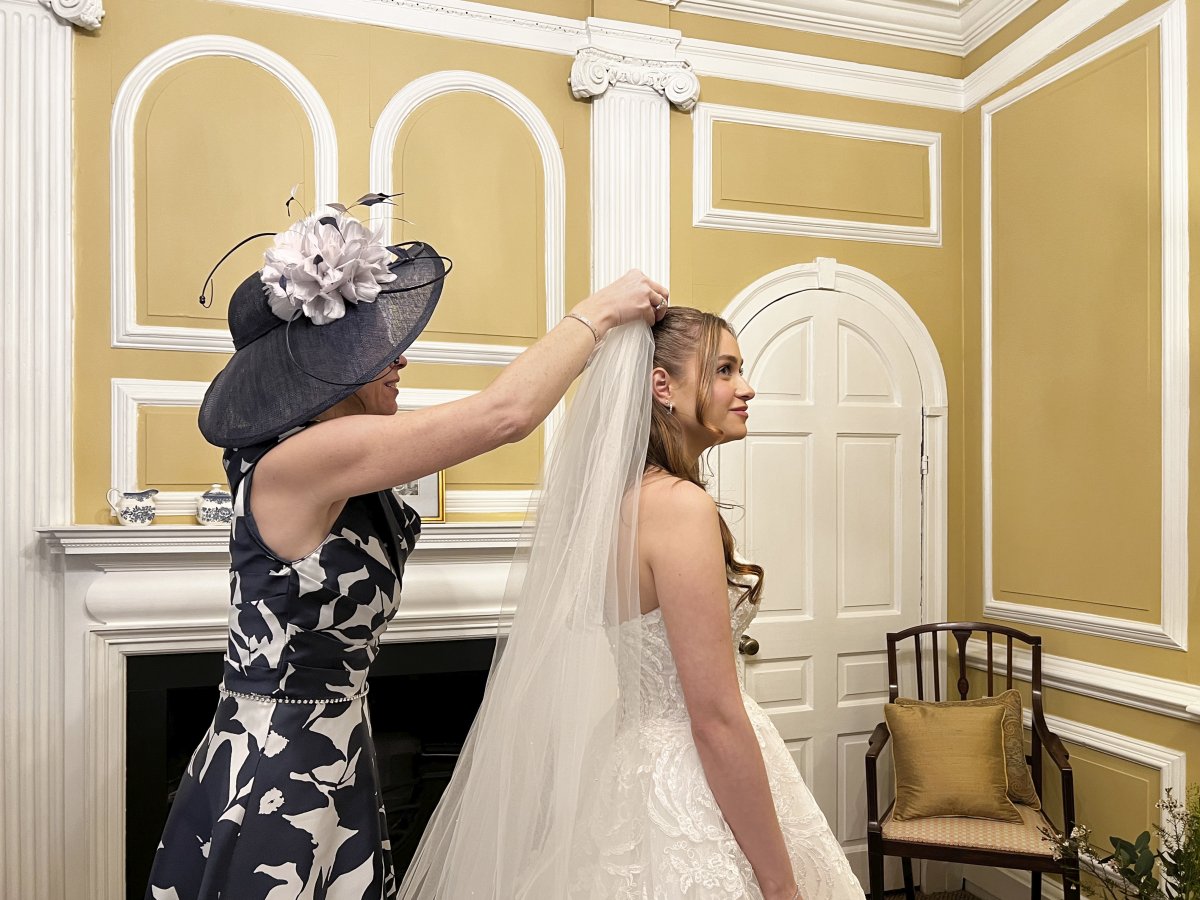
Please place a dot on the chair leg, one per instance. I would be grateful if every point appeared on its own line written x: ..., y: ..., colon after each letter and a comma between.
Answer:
x: 1071, y: 883
x: 909, y: 892
x: 1035, y: 886
x: 875, y: 869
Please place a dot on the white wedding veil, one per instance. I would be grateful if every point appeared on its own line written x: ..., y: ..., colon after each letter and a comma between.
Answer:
x: 564, y: 685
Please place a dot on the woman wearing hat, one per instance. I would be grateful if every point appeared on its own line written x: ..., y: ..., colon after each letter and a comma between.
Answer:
x: 281, y: 798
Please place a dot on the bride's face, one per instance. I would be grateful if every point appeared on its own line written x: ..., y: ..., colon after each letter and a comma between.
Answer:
x: 727, y: 404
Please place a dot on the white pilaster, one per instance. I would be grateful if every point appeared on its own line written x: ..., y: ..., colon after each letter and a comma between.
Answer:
x: 35, y: 420
x: 632, y: 76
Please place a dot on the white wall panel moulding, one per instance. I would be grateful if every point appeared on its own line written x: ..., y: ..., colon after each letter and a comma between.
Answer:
x: 1171, y: 629
x: 706, y: 214
x: 383, y: 151
x: 130, y: 394
x: 944, y: 26
x: 126, y: 330
x: 1177, y: 699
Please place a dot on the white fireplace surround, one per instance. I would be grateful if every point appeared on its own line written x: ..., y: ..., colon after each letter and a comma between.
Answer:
x: 165, y: 589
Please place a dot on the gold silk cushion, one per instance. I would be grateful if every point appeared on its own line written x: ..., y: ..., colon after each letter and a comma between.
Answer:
x: 1020, y: 783
x: 949, y: 762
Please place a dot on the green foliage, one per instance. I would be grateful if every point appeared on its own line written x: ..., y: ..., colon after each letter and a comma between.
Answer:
x: 1136, y: 871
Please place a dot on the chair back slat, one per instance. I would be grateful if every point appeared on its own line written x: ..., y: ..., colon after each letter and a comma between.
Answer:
x: 920, y: 668
x: 1008, y: 677
x: 990, y: 662
x: 937, y: 675
x: 961, y: 636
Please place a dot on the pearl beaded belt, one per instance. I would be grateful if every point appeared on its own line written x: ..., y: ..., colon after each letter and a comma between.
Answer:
x: 266, y: 698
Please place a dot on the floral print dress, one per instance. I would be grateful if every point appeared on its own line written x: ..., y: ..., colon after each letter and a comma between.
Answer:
x: 281, y: 800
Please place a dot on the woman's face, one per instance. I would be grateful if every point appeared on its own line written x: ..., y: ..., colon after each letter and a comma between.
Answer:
x: 727, y: 404
x: 378, y: 397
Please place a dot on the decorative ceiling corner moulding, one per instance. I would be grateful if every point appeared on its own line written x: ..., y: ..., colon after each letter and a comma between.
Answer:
x: 127, y: 332
x: 383, y: 150
x: 707, y: 215
x: 944, y: 26
x: 86, y: 14
x: 1171, y: 630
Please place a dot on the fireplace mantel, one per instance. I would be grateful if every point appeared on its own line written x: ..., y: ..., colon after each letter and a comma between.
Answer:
x: 165, y: 589
x: 176, y: 576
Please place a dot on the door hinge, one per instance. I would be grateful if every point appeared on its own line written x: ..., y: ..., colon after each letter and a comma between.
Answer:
x: 924, y: 465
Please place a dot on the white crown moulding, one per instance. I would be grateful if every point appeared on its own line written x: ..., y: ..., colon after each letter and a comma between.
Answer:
x: 944, y: 26
x: 87, y: 14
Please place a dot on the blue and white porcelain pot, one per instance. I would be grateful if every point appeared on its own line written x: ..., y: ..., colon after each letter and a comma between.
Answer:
x: 133, y: 507
x: 215, y: 507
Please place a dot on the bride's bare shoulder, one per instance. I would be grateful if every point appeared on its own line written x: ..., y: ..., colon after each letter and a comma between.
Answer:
x: 665, y: 496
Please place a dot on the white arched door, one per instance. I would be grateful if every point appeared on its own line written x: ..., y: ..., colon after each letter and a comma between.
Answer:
x: 827, y: 496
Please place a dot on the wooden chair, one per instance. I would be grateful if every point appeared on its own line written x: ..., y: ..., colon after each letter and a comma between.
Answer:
x: 960, y: 840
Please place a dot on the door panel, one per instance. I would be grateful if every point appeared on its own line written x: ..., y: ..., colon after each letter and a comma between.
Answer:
x: 826, y: 491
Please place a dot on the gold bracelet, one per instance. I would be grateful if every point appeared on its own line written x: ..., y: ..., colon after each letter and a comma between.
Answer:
x: 585, y: 321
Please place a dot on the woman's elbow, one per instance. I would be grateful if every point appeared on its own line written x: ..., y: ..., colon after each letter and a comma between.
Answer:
x: 514, y: 421
x: 716, y: 723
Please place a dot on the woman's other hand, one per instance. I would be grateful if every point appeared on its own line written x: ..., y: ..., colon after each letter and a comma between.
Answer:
x: 632, y: 296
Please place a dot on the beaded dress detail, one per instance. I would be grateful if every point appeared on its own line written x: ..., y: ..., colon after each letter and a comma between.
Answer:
x: 658, y: 833
x: 282, y: 799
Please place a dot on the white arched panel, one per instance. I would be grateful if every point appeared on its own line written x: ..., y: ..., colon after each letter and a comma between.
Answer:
x: 126, y: 330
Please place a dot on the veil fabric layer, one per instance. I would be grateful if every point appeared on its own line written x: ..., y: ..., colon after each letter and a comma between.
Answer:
x: 565, y: 683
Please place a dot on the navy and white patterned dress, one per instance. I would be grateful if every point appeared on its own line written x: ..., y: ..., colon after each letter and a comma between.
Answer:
x: 281, y: 800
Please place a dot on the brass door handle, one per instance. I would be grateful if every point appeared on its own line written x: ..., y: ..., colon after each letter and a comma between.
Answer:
x: 748, y: 646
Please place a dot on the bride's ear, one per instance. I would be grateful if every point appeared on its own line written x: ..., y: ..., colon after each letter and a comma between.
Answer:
x: 660, y: 385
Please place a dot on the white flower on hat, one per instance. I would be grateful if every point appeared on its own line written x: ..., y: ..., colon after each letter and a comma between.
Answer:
x: 323, y: 262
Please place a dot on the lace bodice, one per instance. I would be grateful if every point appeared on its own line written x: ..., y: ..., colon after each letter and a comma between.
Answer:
x: 661, y: 694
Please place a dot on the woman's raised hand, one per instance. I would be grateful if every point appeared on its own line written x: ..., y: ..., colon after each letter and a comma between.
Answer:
x: 630, y: 297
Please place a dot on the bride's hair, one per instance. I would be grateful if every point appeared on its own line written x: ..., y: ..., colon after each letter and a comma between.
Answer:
x: 683, y: 335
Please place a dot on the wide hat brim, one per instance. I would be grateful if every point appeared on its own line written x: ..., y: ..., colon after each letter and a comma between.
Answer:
x: 265, y: 391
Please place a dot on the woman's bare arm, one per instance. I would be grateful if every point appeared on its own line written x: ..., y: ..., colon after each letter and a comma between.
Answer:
x: 300, y: 485
x: 682, y: 544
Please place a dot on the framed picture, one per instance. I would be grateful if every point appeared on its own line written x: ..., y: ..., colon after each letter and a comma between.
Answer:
x: 426, y: 495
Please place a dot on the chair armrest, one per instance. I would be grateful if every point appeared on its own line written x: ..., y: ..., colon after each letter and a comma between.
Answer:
x: 1058, y: 754
x: 1053, y: 744
x: 879, y: 737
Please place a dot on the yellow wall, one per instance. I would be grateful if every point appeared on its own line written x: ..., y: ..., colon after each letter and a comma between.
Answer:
x: 1076, y: 352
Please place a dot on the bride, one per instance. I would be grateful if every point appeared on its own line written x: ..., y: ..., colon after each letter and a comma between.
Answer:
x: 616, y: 753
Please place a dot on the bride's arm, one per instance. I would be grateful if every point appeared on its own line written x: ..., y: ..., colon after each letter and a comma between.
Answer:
x: 681, y: 543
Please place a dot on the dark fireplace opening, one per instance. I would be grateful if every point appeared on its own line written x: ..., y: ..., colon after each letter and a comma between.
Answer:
x: 424, y: 697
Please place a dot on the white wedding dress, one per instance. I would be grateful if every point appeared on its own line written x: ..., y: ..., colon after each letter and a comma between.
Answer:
x: 657, y: 832
x: 580, y: 779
